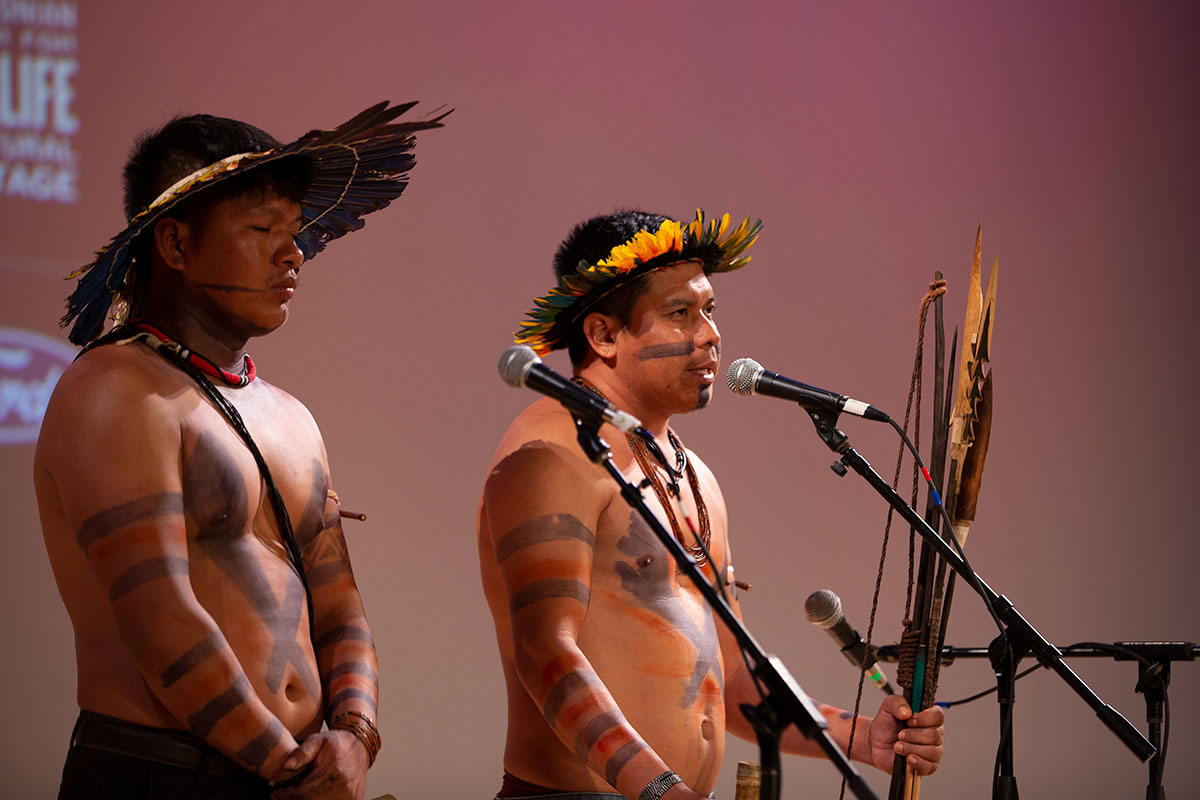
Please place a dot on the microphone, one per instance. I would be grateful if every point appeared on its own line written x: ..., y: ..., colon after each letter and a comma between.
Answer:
x: 746, y: 376
x: 521, y: 368
x: 824, y: 609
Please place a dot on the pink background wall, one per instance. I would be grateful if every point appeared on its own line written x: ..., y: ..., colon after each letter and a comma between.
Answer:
x: 871, y: 139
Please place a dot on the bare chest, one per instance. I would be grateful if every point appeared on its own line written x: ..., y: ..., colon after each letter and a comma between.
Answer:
x: 646, y: 618
x: 224, y: 490
x: 631, y: 560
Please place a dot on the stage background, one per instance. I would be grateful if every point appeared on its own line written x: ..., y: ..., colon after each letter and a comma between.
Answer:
x: 871, y: 138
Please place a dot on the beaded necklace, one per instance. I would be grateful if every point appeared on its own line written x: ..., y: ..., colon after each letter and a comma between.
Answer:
x: 642, y: 451
x: 198, y: 361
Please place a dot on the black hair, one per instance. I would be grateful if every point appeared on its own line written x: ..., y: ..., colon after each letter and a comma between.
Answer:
x: 182, y: 146
x: 185, y: 144
x: 589, y: 242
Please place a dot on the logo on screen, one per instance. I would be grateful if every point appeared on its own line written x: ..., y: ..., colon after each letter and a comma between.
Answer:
x: 30, y: 366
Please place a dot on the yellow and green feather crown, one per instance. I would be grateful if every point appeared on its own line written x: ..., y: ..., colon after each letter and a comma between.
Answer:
x: 711, y: 242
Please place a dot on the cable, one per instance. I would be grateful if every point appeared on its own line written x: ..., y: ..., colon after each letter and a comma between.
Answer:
x: 985, y: 692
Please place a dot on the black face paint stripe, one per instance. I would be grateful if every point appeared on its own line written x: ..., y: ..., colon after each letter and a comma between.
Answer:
x: 669, y: 350
x: 224, y: 287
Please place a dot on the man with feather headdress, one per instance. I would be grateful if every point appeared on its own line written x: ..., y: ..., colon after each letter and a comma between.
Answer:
x: 618, y: 676
x: 221, y: 645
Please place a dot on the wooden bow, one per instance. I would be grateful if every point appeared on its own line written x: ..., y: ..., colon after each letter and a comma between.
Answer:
x: 963, y: 442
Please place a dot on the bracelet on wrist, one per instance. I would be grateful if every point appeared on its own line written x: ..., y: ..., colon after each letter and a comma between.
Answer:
x: 659, y: 786
x: 364, y: 730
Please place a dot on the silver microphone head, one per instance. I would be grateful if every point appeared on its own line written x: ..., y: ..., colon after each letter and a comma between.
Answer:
x: 742, y: 375
x: 515, y: 363
x: 824, y: 608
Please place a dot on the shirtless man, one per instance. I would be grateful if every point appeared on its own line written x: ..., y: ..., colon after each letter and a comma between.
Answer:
x: 203, y: 668
x: 618, y: 676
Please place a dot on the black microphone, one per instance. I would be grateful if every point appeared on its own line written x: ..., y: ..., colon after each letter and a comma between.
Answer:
x: 824, y: 609
x: 521, y: 368
x: 746, y: 376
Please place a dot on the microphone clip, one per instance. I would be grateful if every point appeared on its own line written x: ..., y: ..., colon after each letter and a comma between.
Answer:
x: 587, y: 433
x: 825, y: 421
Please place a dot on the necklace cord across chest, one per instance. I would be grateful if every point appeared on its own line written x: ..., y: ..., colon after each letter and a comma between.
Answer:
x: 642, y: 452
x: 177, y: 355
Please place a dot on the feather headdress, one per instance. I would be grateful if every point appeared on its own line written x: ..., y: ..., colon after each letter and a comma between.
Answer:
x: 358, y: 167
x: 709, y: 242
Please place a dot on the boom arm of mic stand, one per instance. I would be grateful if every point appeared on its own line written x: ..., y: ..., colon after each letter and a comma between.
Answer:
x: 1019, y: 631
x: 785, y: 703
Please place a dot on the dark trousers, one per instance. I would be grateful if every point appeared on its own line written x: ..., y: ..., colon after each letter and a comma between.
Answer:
x: 112, y: 758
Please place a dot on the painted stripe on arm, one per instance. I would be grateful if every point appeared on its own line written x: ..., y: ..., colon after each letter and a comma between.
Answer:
x: 347, y: 694
x: 260, y: 747
x: 546, y: 589
x: 567, y: 685
x: 353, y: 668
x: 111, y: 520
x: 591, y: 733
x: 620, y: 758
x: 343, y: 633
x: 203, y: 721
x: 145, y: 572
x: 194, y: 657
x: 548, y: 528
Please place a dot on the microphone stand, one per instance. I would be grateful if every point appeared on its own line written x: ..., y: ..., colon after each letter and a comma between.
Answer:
x: 785, y: 702
x: 1154, y: 675
x: 1017, y: 639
